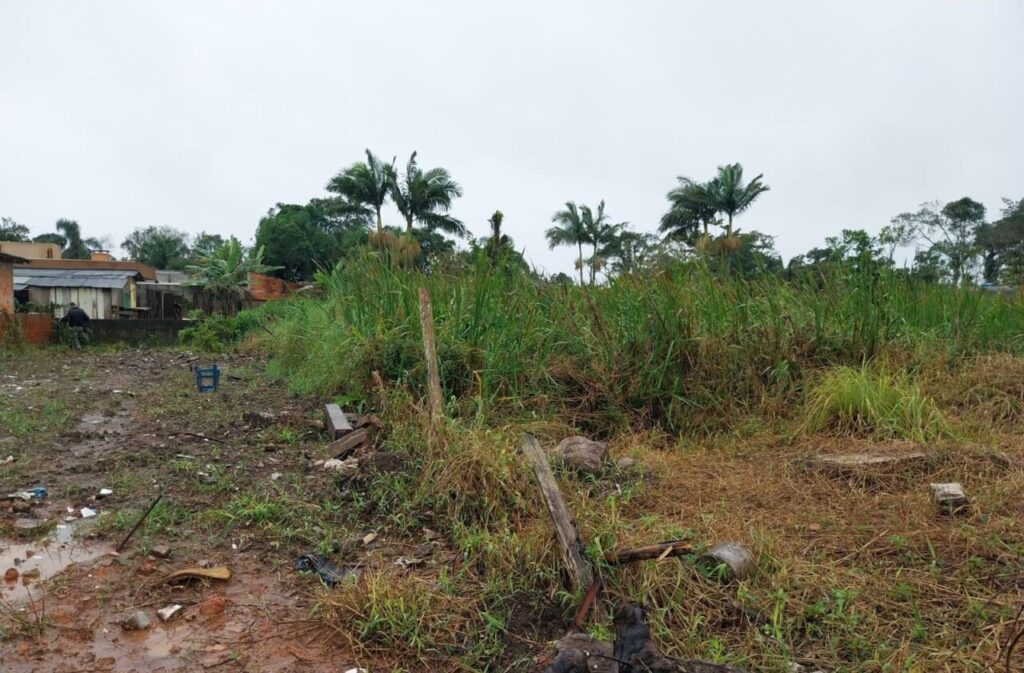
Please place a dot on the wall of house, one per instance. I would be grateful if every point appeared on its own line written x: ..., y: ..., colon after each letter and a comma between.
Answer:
x: 30, y: 250
x: 6, y: 287
x: 97, y: 302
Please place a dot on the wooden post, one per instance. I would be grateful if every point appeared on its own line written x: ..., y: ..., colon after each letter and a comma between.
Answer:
x: 434, y: 399
x: 565, y: 529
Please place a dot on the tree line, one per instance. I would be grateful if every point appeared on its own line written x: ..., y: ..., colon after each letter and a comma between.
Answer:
x: 953, y: 242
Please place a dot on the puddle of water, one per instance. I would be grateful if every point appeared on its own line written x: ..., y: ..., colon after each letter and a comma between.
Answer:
x: 49, y: 557
x: 91, y: 423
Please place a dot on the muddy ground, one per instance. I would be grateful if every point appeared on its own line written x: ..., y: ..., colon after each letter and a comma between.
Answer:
x: 133, y: 422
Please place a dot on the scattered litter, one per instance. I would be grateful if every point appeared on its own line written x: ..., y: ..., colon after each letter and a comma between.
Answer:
x: 728, y: 561
x: 356, y: 670
x: 35, y: 493
x: 329, y: 573
x: 104, y: 492
x: 215, y: 573
x: 408, y: 561
x: 170, y: 612
x: 87, y: 513
x: 347, y: 468
x: 136, y: 621
x: 259, y: 419
x: 369, y: 537
x: 123, y: 392
x: 8, y: 459
x: 207, y: 378
x: 275, y: 476
x: 950, y: 497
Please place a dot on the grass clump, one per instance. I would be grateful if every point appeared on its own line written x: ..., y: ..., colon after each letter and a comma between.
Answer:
x: 864, y: 402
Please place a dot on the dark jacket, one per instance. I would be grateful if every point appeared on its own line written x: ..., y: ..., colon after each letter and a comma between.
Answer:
x: 76, y: 317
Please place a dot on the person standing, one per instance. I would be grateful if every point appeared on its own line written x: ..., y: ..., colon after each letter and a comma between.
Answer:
x: 77, y: 320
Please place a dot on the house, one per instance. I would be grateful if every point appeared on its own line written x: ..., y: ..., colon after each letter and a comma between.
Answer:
x: 104, y: 289
x: 31, y: 249
x: 7, y: 263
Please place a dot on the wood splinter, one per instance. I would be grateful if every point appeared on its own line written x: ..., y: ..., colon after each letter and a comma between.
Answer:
x: 659, y: 551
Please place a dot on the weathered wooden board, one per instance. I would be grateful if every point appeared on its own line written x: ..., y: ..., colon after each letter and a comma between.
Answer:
x: 337, y: 422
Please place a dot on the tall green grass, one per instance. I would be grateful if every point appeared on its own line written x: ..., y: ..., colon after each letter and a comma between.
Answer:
x: 686, y: 350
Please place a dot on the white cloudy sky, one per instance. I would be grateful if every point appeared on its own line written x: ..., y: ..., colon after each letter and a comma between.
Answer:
x: 203, y: 114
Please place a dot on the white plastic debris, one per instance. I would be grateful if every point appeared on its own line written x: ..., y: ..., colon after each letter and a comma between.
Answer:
x: 170, y: 612
x: 87, y: 513
x: 104, y: 492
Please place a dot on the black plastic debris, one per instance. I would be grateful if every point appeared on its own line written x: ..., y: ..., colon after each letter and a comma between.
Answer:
x: 329, y: 573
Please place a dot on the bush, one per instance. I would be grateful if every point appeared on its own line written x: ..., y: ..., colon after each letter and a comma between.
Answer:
x: 216, y: 333
x: 859, y: 401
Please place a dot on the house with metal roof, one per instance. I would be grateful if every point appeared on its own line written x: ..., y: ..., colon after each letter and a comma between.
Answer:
x: 104, y: 293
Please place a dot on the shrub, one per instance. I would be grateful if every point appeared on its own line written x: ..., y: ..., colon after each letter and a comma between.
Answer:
x: 859, y: 401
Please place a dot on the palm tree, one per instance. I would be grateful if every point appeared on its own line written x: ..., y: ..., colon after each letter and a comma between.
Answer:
x: 226, y: 271
x: 729, y: 195
x: 425, y: 197
x: 569, y: 230
x: 498, y: 239
x: 365, y: 183
x: 600, y: 233
x: 76, y: 246
x: 691, y: 207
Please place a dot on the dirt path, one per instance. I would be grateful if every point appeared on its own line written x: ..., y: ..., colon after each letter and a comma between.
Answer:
x: 133, y: 422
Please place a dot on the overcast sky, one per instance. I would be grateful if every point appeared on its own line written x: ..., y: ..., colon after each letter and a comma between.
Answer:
x: 202, y: 115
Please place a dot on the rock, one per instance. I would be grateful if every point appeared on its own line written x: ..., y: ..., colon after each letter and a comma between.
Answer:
x: 581, y: 454
x: 136, y: 621
x: 871, y: 460
x: 87, y: 513
x: 259, y: 419
x: 21, y: 506
x: 275, y: 476
x: 146, y: 568
x: 160, y: 551
x: 624, y: 463
x: 214, y: 605
x: 11, y: 575
x: 170, y: 612
x: 28, y: 527
x: 950, y: 497
x: 346, y: 468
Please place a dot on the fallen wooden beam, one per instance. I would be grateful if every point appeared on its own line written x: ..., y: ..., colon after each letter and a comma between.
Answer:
x: 337, y: 422
x: 569, y: 543
x: 654, y: 551
x: 346, y: 446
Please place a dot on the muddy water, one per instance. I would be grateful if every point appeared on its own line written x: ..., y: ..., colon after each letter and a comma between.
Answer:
x: 38, y: 561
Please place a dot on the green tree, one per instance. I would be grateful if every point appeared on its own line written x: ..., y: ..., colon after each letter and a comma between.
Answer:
x: 12, y: 231
x: 730, y: 195
x: 365, y: 184
x: 204, y: 244
x: 51, y: 238
x: 294, y: 239
x: 226, y: 272
x: 691, y: 209
x: 631, y: 251
x: 425, y: 198
x: 1002, y: 245
x: 159, y: 247
x: 568, y: 230
x: 951, y: 232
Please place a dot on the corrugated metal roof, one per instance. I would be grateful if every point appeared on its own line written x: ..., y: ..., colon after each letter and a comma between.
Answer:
x: 96, y: 278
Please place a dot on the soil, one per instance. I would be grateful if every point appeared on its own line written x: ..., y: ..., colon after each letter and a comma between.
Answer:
x: 81, y: 422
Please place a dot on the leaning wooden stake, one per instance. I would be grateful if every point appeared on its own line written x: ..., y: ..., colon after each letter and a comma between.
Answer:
x: 434, y: 399
x: 568, y: 539
x: 139, y: 522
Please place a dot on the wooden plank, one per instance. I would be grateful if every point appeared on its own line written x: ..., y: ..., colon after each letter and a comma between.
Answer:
x: 565, y: 529
x: 434, y: 398
x: 654, y: 551
x: 337, y: 424
x: 346, y: 446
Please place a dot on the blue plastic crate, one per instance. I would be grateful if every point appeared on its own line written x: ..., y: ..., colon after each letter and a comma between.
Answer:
x: 207, y: 378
